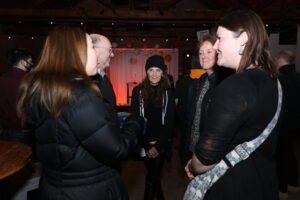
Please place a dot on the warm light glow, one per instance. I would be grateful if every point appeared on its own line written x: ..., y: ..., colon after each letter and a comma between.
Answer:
x: 196, y: 73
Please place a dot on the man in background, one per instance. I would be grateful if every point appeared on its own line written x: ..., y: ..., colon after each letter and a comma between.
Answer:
x: 104, y: 54
x: 286, y: 159
x: 20, y: 62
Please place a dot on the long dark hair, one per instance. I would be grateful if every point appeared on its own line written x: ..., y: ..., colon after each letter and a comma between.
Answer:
x: 257, y: 49
x: 63, y: 59
x: 146, y: 90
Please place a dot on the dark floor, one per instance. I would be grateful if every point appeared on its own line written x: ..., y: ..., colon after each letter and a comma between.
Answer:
x: 174, y: 179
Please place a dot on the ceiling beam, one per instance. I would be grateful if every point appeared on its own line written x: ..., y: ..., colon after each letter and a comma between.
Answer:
x: 129, y: 15
x: 107, y: 5
x: 170, y: 4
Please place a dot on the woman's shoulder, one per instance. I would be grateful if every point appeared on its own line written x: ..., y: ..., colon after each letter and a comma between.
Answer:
x: 82, y: 91
x: 247, y: 77
x: 84, y: 99
x: 79, y: 85
x: 242, y: 84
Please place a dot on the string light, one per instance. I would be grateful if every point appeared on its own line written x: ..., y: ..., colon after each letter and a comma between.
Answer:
x: 144, y: 39
x: 166, y: 39
x: 187, y: 39
x: 112, y: 24
x: 121, y: 39
x: 9, y: 37
x: 187, y: 55
x: 81, y: 23
x: 32, y: 38
x: 51, y: 22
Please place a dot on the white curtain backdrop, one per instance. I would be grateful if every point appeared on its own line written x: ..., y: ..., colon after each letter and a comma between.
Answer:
x: 128, y: 67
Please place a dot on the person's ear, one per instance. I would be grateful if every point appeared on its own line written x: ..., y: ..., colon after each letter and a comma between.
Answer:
x: 23, y: 63
x: 243, y: 38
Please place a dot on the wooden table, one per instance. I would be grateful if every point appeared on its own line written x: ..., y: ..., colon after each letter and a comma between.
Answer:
x: 13, y: 157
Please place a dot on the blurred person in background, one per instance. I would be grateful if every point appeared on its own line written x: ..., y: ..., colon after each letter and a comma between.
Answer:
x: 20, y: 62
x: 287, y: 170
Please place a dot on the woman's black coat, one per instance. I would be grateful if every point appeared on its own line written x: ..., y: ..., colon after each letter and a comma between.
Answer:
x: 80, y: 148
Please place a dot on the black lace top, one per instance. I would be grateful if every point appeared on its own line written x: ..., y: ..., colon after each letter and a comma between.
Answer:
x: 240, y: 108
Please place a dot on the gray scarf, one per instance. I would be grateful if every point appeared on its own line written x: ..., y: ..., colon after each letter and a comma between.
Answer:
x: 195, y: 132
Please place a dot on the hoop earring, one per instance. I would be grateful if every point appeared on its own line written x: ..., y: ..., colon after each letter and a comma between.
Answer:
x: 241, y: 52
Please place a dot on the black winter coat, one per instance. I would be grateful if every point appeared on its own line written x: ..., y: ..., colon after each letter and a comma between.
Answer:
x: 79, y: 148
x: 155, y: 129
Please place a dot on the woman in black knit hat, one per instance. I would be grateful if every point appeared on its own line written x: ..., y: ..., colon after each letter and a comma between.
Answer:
x: 154, y: 100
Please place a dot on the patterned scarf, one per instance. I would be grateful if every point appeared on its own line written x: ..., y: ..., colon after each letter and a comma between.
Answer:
x: 195, y: 133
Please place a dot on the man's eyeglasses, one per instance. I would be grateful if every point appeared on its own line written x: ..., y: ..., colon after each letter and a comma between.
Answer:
x: 109, y: 49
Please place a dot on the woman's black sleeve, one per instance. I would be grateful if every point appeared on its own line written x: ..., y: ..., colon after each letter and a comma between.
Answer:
x: 98, y: 133
x: 230, y: 107
x: 135, y: 98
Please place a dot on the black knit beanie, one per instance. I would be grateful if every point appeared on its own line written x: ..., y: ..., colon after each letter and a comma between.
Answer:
x: 155, y: 61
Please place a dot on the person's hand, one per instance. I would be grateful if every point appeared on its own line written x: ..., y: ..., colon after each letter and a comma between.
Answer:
x: 134, y: 124
x: 188, y: 170
x: 152, y: 153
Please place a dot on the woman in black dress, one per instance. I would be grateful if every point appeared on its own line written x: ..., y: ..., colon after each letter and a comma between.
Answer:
x: 240, y: 109
x: 154, y: 100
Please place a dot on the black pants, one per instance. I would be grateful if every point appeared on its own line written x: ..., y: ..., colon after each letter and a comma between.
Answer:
x: 153, y: 186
